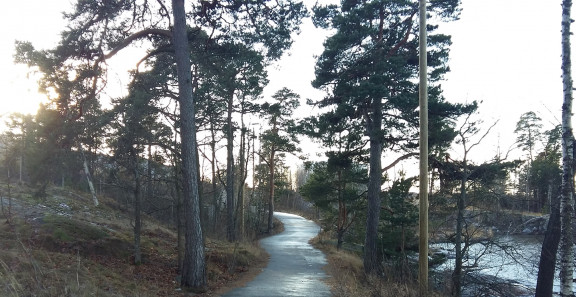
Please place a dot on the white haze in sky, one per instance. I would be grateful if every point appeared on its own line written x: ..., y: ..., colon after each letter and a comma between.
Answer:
x: 505, y: 53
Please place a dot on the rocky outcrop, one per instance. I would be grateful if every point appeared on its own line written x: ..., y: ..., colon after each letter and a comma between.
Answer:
x: 532, y: 226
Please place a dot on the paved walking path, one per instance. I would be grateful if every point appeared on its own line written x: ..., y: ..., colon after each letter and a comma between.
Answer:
x: 295, y: 267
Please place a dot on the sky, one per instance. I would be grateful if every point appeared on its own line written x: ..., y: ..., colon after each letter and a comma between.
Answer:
x: 505, y: 53
x: 39, y: 22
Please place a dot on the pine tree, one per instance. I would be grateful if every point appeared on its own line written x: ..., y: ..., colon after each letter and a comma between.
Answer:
x: 368, y: 69
x: 278, y: 138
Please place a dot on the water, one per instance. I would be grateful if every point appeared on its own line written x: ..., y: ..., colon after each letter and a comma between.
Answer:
x: 511, y: 259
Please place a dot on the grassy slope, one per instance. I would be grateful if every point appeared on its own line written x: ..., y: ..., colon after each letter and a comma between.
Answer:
x: 62, y: 245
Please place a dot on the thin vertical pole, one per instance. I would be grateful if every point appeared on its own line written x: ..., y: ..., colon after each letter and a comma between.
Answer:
x: 423, y: 245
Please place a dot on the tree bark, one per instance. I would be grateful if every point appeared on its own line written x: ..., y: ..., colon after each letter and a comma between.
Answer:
x: 243, y: 171
x: 547, y: 265
x: 214, y: 185
x: 371, y: 255
x: 457, y: 273
x: 194, y: 265
x: 149, y: 177
x: 271, y: 165
x: 423, y: 209
x: 88, y: 177
x: 137, y: 211
x: 567, y: 198
x: 230, y: 209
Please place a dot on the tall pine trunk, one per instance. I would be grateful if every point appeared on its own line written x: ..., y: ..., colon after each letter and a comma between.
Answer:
x: 215, y: 201
x: 371, y: 255
x: 137, y: 210
x: 149, y: 177
x: 243, y: 171
x: 271, y: 166
x: 567, y: 197
x: 230, y: 209
x: 194, y: 265
x: 423, y: 143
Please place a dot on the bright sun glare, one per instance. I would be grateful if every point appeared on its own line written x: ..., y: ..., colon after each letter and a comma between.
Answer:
x: 39, y: 22
x: 22, y: 94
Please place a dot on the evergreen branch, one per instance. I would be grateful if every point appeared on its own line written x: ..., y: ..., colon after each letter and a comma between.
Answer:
x: 401, y: 158
x: 140, y: 34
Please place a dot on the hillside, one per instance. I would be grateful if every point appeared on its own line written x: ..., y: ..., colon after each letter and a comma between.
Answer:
x: 61, y: 245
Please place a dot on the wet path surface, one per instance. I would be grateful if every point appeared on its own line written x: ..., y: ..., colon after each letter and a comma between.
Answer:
x: 295, y: 267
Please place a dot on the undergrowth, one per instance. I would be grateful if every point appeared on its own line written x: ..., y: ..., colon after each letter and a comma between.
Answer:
x: 63, y: 246
x: 349, y: 280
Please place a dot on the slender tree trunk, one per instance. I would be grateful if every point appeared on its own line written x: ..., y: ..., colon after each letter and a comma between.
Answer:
x: 179, y: 217
x: 372, y: 263
x: 423, y: 102
x: 271, y: 166
x: 214, y: 188
x: 567, y: 200
x: 342, y: 215
x: 200, y: 189
x: 243, y: 175
x: 88, y: 176
x: 547, y: 266
x: 457, y: 273
x: 137, y: 212
x: 149, y: 177
x: 230, y: 217
x: 194, y: 266
x: 341, y: 224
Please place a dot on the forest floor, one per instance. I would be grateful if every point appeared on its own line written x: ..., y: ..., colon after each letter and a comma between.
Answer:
x: 348, y: 279
x: 60, y: 244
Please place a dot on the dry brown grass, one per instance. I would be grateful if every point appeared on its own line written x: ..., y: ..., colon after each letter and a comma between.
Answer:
x: 347, y: 277
x: 87, y: 251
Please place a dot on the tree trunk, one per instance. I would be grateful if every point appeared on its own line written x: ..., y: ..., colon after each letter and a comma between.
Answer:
x: 194, y: 265
x: 149, y: 177
x: 457, y: 273
x: 88, y: 177
x: 340, y: 238
x: 423, y: 125
x: 214, y: 185
x: 137, y: 212
x: 230, y: 209
x: 567, y: 198
x: 342, y: 213
x: 547, y: 266
x: 243, y: 171
x: 271, y: 165
x: 371, y: 255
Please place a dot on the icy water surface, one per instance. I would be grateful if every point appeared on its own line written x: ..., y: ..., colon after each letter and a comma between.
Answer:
x: 513, y: 258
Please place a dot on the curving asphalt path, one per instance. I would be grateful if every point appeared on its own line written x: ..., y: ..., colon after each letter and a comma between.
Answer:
x: 295, y: 267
